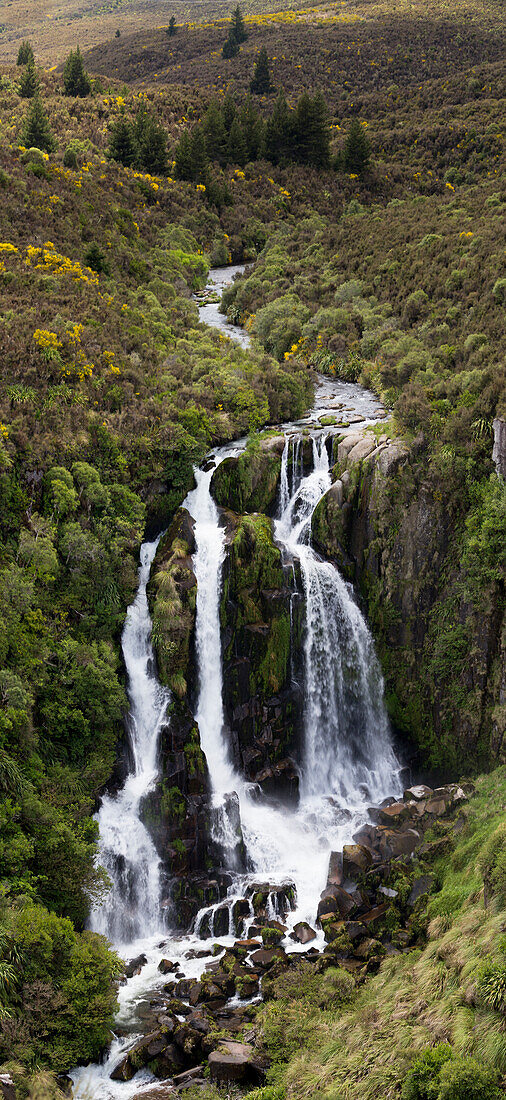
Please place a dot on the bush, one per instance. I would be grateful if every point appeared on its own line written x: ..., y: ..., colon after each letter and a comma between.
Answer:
x: 466, y: 1079
x: 422, y: 1081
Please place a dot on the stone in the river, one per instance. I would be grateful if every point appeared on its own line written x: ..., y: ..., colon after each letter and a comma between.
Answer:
x: 265, y: 959
x: 303, y: 932
x: 335, y: 899
x: 165, y: 966
x: 356, y: 858
x: 135, y: 966
x: 418, y: 793
x: 335, y: 874
x: 221, y: 921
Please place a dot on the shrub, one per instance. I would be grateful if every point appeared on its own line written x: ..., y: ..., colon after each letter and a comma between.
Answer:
x: 466, y: 1079
x: 25, y: 54
x: 422, y: 1080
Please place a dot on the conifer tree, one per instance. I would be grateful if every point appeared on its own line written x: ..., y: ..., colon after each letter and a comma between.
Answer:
x: 190, y: 156
x: 261, y: 82
x: 172, y: 26
x: 25, y: 54
x: 36, y: 131
x: 29, y: 82
x: 76, y: 81
x: 237, y: 147
x: 357, y: 149
x: 231, y: 46
x: 237, y: 25
x: 252, y: 126
x: 279, y: 132
x: 150, y: 142
x: 229, y: 111
x: 214, y: 133
x: 311, y: 131
x: 122, y: 144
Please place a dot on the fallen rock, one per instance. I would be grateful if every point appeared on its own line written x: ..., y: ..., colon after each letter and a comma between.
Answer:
x: 335, y: 899
x: 335, y: 874
x: 418, y: 793
x: 265, y: 959
x: 356, y: 858
x: 303, y: 932
x: 234, y: 1062
x: 420, y: 888
x: 135, y: 966
x: 165, y: 966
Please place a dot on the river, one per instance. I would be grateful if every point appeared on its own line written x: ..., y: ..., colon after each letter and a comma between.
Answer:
x: 347, y: 760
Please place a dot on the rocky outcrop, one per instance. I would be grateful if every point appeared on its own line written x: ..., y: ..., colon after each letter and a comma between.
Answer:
x: 394, y: 524
x: 260, y: 616
x: 249, y: 482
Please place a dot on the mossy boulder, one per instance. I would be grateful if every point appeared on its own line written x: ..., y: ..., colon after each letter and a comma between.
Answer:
x: 249, y: 483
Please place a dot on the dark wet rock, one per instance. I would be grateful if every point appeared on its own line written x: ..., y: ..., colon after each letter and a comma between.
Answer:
x: 234, y: 1061
x: 221, y: 921
x: 421, y: 887
x: 335, y: 899
x: 177, y: 1007
x: 356, y: 858
x: 135, y: 966
x: 335, y: 873
x: 303, y: 932
x: 165, y: 966
x: 265, y: 958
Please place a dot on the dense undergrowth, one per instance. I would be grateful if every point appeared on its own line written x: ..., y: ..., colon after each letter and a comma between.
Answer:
x: 111, y: 391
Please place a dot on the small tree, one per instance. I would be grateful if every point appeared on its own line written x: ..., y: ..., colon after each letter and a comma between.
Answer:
x: 261, y: 82
x: 357, y: 149
x: 231, y: 47
x: 25, y: 54
x: 237, y: 26
x: 150, y: 143
x: 76, y: 81
x: 36, y: 130
x: 172, y: 26
x: 122, y: 145
x: 29, y: 82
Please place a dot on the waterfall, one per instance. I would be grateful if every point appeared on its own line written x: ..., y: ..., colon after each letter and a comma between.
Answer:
x: 347, y: 750
x: 126, y: 851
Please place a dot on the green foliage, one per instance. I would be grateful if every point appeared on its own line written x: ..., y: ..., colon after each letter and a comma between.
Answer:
x: 467, y: 1079
x: 25, y: 54
x: 261, y: 80
x: 357, y: 149
x: 61, y: 997
x: 36, y: 130
x: 29, y: 83
x: 422, y: 1081
x: 141, y: 143
x: 76, y: 81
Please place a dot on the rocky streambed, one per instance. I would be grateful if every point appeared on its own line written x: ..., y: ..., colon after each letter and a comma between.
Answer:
x: 371, y: 907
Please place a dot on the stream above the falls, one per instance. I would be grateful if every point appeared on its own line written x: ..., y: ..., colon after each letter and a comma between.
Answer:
x: 347, y: 760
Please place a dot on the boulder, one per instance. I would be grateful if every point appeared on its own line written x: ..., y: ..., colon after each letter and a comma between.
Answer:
x: 394, y: 844
x: 233, y: 1061
x: 335, y: 899
x: 303, y: 932
x: 420, y: 888
x: 335, y: 874
x: 362, y: 449
x: 265, y: 958
x: 346, y: 445
x: 393, y: 815
x: 418, y: 793
x: 7, y: 1087
x: 356, y: 858
x: 135, y: 966
x: 165, y: 966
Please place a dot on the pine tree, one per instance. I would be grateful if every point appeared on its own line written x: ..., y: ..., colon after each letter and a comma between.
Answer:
x: 76, y: 81
x: 214, y: 133
x: 36, y: 131
x: 151, y: 144
x: 252, y: 126
x: 237, y: 147
x: 122, y: 144
x: 25, y: 54
x: 261, y: 82
x: 231, y: 47
x: 172, y: 26
x: 279, y: 132
x: 190, y: 156
x: 311, y: 131
x: 237, y: 26
x: 29, y: 82
x: 229, y: 111
x: 357, y: 149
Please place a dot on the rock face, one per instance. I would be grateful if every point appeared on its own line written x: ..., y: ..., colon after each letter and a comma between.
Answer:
x: 261, y: 702
x: 395, y: 528
x: 499, y: 448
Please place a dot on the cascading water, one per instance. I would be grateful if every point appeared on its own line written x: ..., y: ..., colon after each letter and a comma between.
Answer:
x: 132, y: 908
x: 347, y: 760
